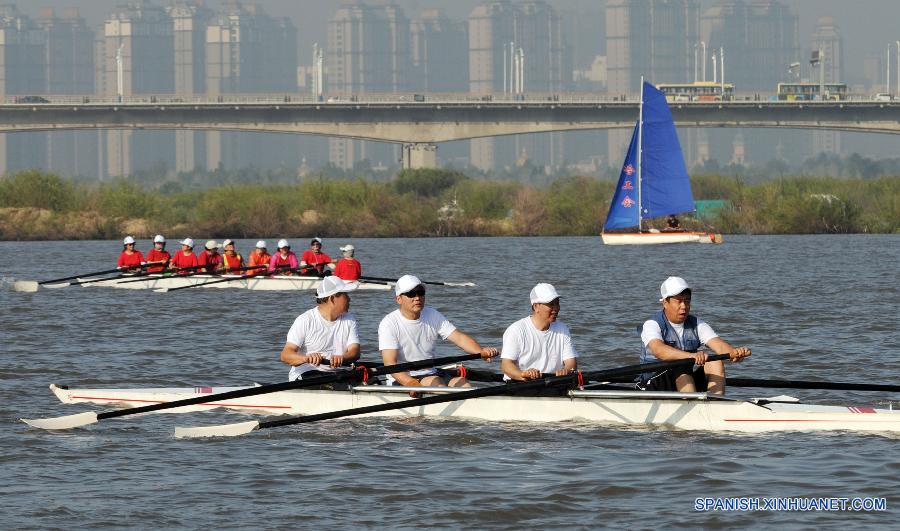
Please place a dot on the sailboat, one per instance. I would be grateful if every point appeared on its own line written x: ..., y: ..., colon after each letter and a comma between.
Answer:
x: 654, y: 181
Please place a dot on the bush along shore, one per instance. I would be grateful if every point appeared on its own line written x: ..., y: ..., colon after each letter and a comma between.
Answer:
x: 41, y: 206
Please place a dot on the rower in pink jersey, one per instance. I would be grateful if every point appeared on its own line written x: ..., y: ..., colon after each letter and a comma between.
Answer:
x: 284, y: 258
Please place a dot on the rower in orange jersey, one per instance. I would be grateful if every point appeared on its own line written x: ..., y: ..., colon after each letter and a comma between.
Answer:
x: 348, y: 268
x: 131, y: 259
x: 185, y: 258
x: 231, y: 259
x: 210, y: 258
x: 319, y: 262
x: 259, y: 257
x: 158, y: 255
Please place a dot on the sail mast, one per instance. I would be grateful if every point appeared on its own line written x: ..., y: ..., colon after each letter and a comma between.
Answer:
x: 640, y: 153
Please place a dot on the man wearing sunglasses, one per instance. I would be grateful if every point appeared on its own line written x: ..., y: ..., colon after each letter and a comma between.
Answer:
x: 411, y: 332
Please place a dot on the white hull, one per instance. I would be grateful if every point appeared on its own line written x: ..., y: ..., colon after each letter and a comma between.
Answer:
x: 688, y: 411
x: 655, y: 238
x: 257, y: 283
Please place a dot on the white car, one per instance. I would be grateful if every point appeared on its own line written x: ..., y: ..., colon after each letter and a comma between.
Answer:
x: 882, y: 96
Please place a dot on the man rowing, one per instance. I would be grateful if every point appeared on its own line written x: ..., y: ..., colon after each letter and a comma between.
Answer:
x: 210, y: 258
x: 316, y: 258
x: 672, y: 334
x: 324, y: 337
x: 231, y: 259
x: 184, y: 261
x: 348, y: 268
x: 283, y: 259
x: 158, y: 255
x: 130, y: 259
x: 259, y: 257
x: 538, y: 344
x: 411, y: 332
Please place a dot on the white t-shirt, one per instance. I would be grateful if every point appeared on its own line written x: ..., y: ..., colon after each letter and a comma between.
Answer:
x: 651, y: 331
x: 313, y: 333
x: 544, y: 350
x: 413, y: 340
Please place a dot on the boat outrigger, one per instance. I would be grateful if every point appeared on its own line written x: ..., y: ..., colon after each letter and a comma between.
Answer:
x: 253, y: 283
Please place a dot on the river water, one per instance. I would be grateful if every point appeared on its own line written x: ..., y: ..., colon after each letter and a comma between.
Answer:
x: 811, y: 307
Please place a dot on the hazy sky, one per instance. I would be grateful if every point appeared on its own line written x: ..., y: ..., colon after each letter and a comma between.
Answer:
x: 866, y: 25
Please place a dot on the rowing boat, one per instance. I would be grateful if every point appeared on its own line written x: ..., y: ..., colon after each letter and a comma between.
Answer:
x: 256, y: 283
x: 687, y: 411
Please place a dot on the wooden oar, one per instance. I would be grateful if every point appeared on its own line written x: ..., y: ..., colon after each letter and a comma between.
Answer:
x: 229, y: 279
x: 90, y: 417
x: 506, y: 389
x: 800, y: 384
x: 394, y: 281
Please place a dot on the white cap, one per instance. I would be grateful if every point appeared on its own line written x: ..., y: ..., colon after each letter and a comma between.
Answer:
x: 127, y: 240
x: 671, y: 287
x: 226, y: 243
x: 543, y: 293
x: 211, y: 244
x: 187, y: 241
x: 316, y: 239
x: 159, y: 238
x: 283, y: 243
x: 348, y: 247
x: 406, y: 283
x: 331, y: 285
x: 261, y: 244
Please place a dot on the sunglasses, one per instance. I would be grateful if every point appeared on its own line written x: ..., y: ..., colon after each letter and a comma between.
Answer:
x: 418, y: 292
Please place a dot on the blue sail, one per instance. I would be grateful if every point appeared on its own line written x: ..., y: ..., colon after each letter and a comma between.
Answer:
x: 665, y: 184
x: 623, y: 211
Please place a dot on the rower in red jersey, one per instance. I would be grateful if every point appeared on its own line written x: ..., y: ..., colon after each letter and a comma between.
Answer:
x: 231, y: 259
x: 158, y: 255
x: 210, y: 258
x: 185, y: 258
x: 131, y: 259
x: 314, y: 257
x: 348, y: 268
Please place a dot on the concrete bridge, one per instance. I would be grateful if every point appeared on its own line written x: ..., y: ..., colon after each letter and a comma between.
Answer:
x: 419, y: 122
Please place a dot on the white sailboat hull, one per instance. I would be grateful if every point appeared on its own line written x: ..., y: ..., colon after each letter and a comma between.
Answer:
x: 656, y: 238
x: 688, y: 411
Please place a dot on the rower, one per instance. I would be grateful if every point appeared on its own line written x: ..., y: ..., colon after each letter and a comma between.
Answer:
x: 185, y: 260
x: 158, y: 255
x: 410, y: 333
x: 284, y: 258
x: 674, y: 334
x: 231, y: 259
x: 538, y: 344
x: 348, y: 268
x: 259, y: 257
x: 131, y: 259
x: 210, y: 258
x: 314, y: 257
x: 324, y: 337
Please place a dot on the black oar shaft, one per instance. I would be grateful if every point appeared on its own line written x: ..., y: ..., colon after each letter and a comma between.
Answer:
x: 394, y: 280
x: 800, y: 384
x: 230, y: 279
x: 83, y: 275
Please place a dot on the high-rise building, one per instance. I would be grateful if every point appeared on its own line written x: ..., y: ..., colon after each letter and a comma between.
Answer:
x: 439, y: 53
x: 828, y: 42
x: 189, y: 22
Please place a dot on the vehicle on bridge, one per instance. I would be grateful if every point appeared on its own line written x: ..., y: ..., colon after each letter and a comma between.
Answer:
x: 810, y: 91
x: 697, y: 91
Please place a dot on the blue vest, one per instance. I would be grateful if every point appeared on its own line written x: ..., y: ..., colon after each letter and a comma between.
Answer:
x: 690, y: 341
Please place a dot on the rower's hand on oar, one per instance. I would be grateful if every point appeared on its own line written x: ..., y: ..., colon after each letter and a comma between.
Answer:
x: 700, y: 358
x: 337, y: 361
x: 739, y: 354
x: 314, y: 358
x: 489, y: 352
x: 531, y: 374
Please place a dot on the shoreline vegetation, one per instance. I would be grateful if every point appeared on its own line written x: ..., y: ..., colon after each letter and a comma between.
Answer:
x: 36, y: 205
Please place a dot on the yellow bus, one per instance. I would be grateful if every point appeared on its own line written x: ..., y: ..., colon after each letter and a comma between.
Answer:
x: 810, y: 91
x: 697, y: 91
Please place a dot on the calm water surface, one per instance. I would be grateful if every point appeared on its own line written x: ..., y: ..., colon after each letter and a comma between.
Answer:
x: 811, y: 307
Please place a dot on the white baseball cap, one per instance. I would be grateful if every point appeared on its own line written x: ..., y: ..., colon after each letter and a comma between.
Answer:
x: 543, y: 293
x: 127, y: 240
x: 261, y: 244
x: 332, y: 285
x: 406, y: 283
x: 211, y: 244
x: 187, y: 241
x: 226, y: 243
x: 671, y: 287
x: 316, y: 239
x: 348, y: 247
x: 159, y: 238
x: 283, y: 243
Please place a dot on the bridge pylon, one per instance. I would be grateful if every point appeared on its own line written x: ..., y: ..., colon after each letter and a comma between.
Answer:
x: 419, y: 155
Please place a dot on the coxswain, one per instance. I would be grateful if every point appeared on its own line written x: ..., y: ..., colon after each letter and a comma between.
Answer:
x: 231, y: 259
x: 320, y: 262
x: 672, y: 224
x: 324, y: 337
x: 538, y: 344
x: 348, y: 268
x: 259, y: 257
x: 672, y: 334
x: 411, y: 332
x: 185, y: 261
x: 284, y: 259
x: 158, y: 255
x: 209, y: 258
x: 131, y: 259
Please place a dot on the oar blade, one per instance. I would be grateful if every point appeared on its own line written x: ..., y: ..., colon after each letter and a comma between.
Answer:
x: 161, y: 290
x: 63, y: 423
x: 57, y: 286
x: 27, y: 286
x: 222, y: 430
x: 460, y: 284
